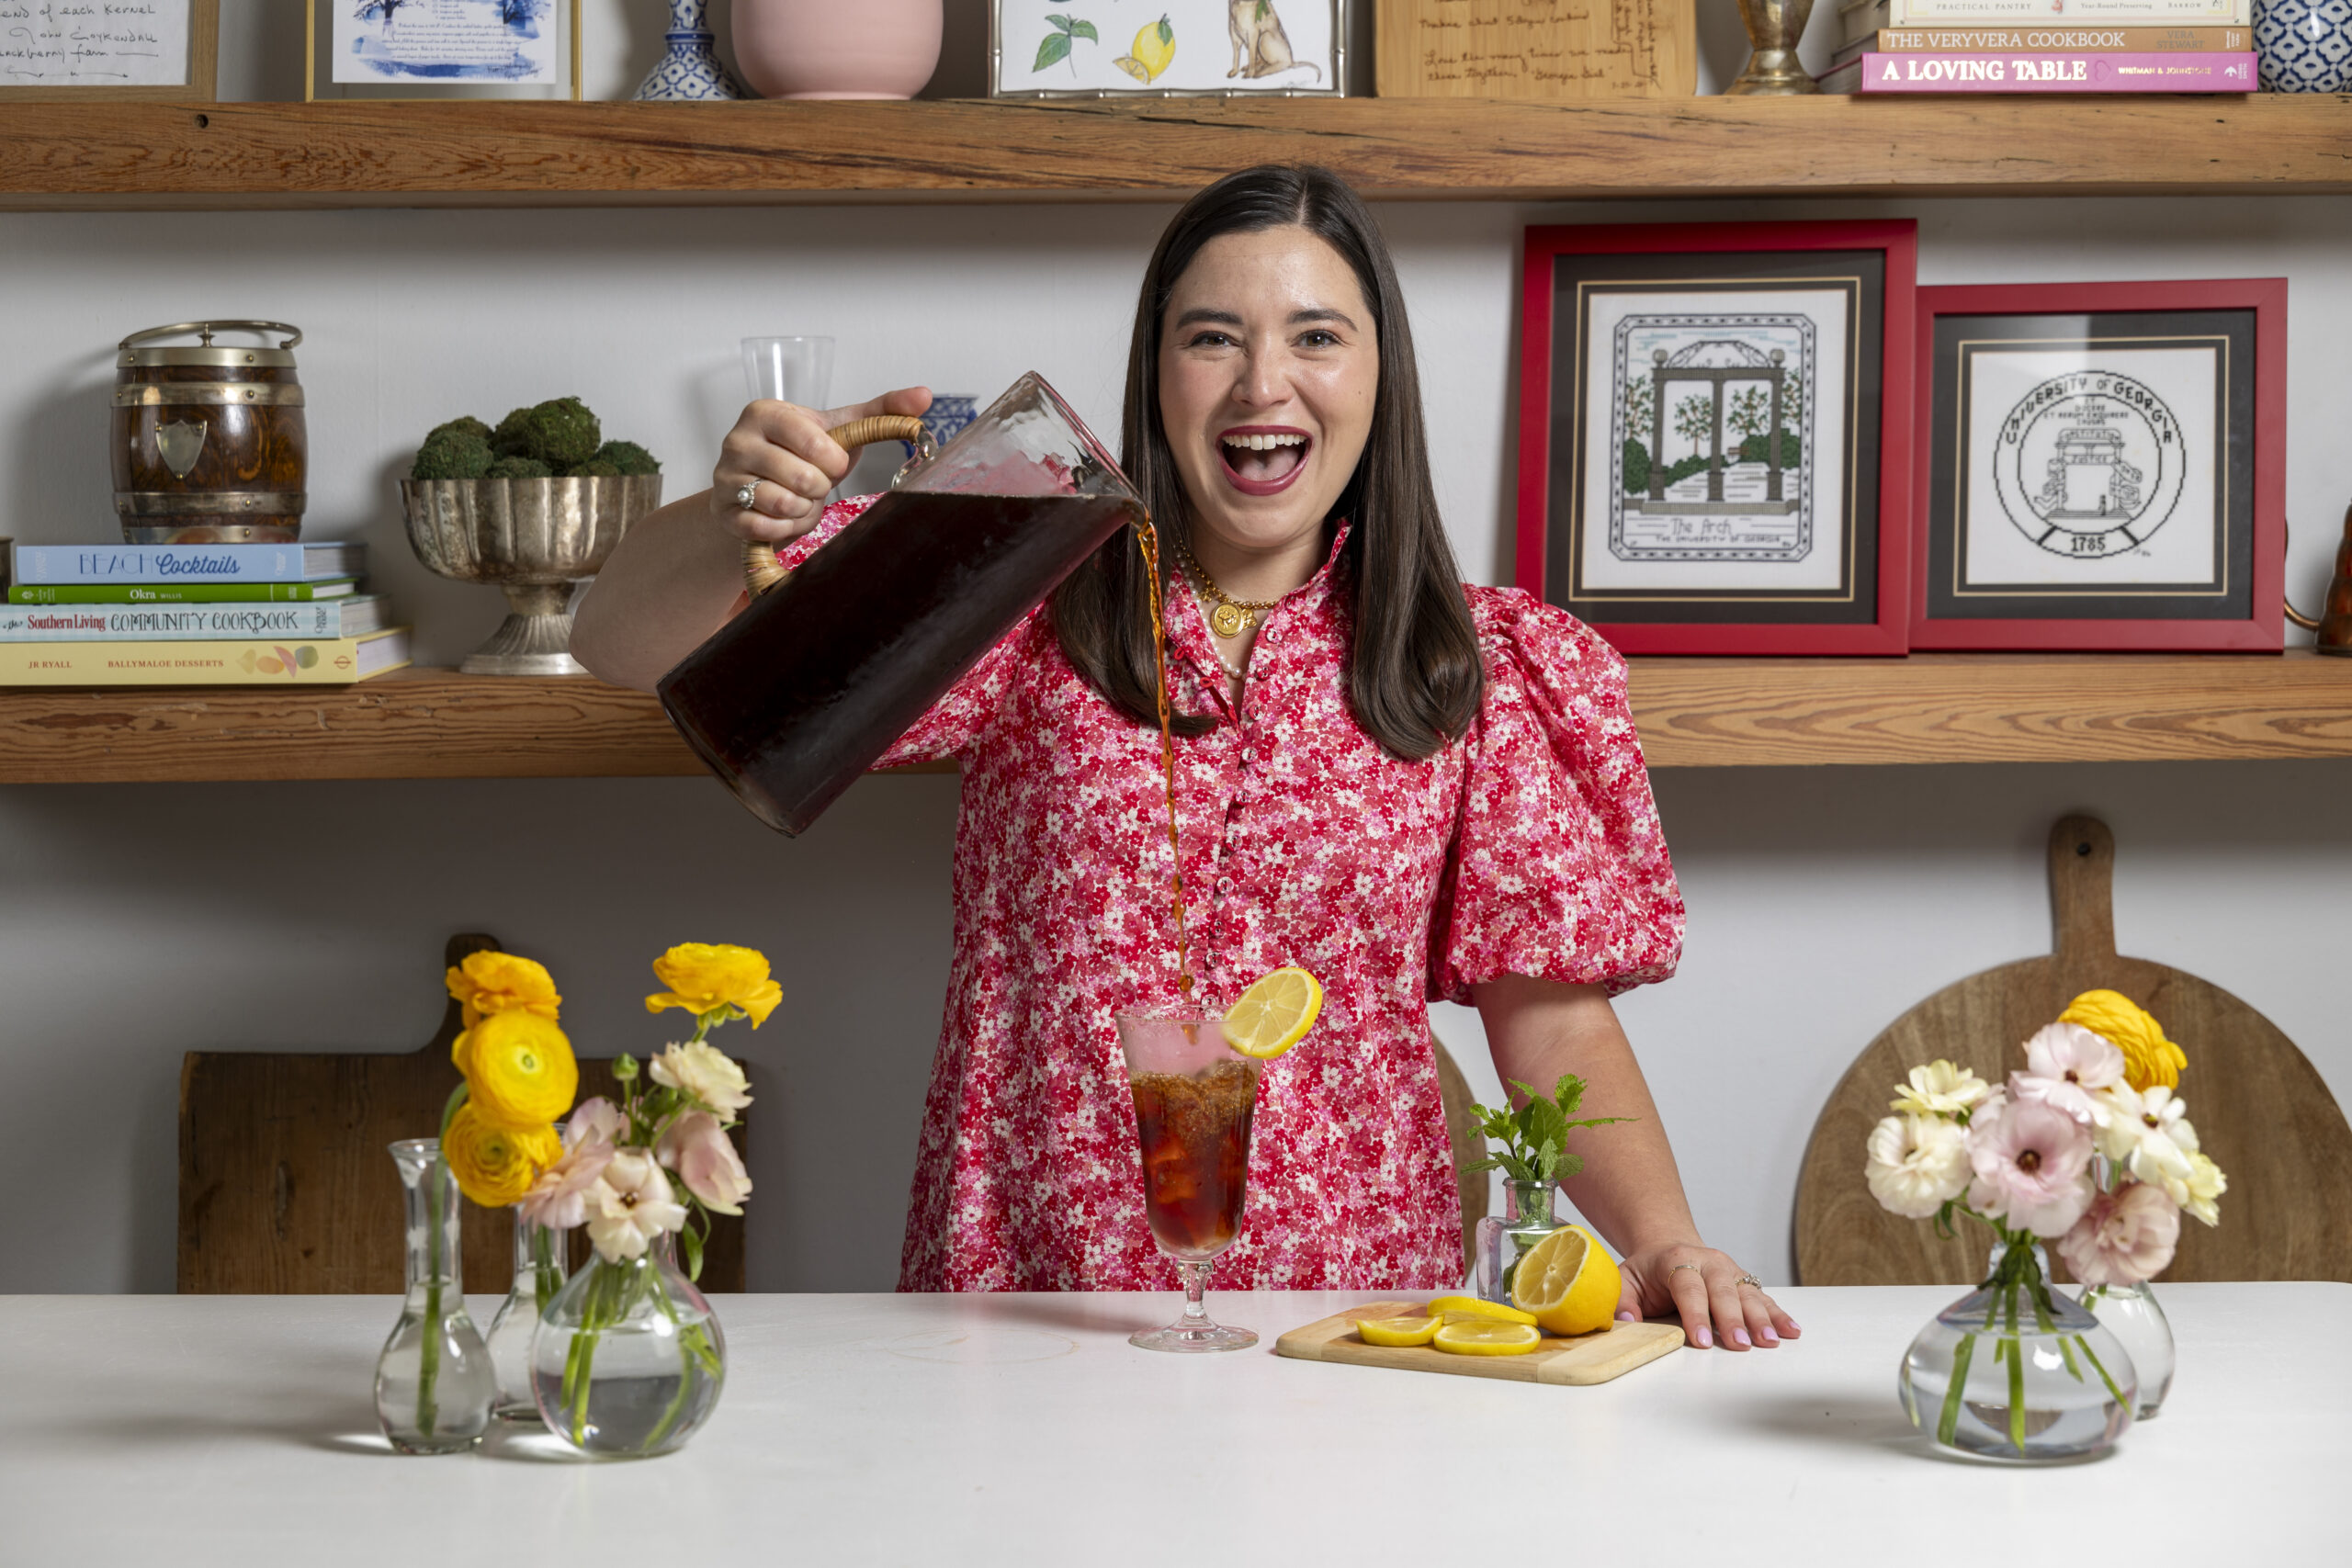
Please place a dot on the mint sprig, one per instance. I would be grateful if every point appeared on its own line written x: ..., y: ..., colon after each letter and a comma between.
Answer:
x: 1535, y: 1136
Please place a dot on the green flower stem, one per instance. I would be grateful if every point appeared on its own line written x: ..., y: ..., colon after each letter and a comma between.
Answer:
x: 2092, y: 1356
x: 429, y: 1366
x: 545, y: 1280
x: 2016, y: 1377
x: 1947, y: 1423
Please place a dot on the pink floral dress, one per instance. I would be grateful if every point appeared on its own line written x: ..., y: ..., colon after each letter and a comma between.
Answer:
x: 1532, y: 847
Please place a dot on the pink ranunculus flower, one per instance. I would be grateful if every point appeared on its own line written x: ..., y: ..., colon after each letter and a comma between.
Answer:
x: 2065, y: 1066
x: 2032, y: 1164
x: 699, y: 1150
x: 2123, y: 1238
x: 629, y: 1205
x: 595, y: 1118
x: 559, y: 1199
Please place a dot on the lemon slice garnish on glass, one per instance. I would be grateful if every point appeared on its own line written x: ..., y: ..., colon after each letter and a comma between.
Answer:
x: 1488, y: 1337
x: 1273, y: 1015
x: 1397, y: 1330
x: 1569, y: 1283
x: 1451, y: 1307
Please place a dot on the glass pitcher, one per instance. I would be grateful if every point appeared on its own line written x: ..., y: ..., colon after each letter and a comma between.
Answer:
x: 832, y: 661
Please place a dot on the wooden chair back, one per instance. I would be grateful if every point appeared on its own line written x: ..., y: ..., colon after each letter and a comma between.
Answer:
x: 2259, y: 1108
x: 1469, y: 1145
x: 285, y: 1187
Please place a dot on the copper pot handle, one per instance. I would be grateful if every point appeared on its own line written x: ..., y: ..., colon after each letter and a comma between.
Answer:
x: 762, y: 570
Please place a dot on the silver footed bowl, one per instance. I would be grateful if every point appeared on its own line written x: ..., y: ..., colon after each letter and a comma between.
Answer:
x: 534, y: 538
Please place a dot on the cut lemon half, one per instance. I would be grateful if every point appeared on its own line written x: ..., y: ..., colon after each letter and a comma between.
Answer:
x: 1568, y: 1282
x: 1273, y: 1015
x: 1397, y: 1330
x: 1488, y: 1337
x: 1469, y: 1307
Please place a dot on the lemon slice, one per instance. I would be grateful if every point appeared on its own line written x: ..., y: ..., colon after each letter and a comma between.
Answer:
x: 1273, y: 1015
x: 1569, y: 1283
x: 1487, y: 1336
x: 1469, y: 1307
x: 1396, y: 1330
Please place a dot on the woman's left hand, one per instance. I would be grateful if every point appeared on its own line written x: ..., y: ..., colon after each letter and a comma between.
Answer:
x: 1719, y: 1303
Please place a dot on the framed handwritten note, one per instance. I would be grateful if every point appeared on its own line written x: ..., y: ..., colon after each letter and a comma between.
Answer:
x: 1538, y: 49
x: 160, y: 50
x: 443, y: 48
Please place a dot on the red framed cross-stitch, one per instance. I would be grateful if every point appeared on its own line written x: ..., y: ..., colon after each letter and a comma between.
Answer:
x: 2101, y: 466
x: 1716, y: 430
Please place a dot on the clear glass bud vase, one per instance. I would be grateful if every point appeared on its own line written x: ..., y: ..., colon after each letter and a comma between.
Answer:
x: 539, y: 1275
x: 2131, y: 1315
x: 628, y: 1360
x: 2014, y: 1370
x: 433, y: 1383
x: 1503, y: 1242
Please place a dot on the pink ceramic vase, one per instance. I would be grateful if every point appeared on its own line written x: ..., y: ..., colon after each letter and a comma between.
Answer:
x: 837, y: 48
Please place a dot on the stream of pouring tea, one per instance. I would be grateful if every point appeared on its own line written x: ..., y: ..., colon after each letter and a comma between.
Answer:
x: 1147, y: 540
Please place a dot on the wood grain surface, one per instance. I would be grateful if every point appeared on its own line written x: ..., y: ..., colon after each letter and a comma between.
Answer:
x: 343, y: 154
x: 1693, y: 713
x: 2261, y: 1109
x: 1580, y: 1362
x: 287, y: 1187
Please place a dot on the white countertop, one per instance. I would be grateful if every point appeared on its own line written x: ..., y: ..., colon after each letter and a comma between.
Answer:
x: 1024, y: 1430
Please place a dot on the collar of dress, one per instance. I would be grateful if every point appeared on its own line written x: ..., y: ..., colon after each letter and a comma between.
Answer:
x: 1188, y: 628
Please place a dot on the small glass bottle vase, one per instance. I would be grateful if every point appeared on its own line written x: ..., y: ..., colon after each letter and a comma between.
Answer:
x: 1503, y: 1242
x: 2131, y: 1315
x: 539, y: 1275
x: 433, y: 1383
x: 628, y: 1360
x: 2013, y: 1370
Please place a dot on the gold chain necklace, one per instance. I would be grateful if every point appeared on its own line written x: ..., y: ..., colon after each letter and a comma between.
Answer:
x: 1232, y: 616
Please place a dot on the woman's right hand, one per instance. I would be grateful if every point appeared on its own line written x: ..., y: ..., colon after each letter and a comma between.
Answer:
x: 786, y: 449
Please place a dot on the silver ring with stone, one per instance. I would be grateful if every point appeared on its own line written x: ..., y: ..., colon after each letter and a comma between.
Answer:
x: 1748, y: 1280
x: 747, y: 495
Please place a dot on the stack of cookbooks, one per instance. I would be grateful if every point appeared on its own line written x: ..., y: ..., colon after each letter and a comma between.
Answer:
x: 2042, y: 45
x: 119, y: 614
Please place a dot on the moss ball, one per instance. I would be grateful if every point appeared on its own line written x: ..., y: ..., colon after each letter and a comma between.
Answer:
x: 627, y: 457
x: 519, y: 468
x: 465, y: 424
x: 452, y: 454
x: 561, y: 431
x: 594, y: 469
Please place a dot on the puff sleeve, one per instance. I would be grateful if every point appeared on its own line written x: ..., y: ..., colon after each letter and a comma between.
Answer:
x: 1559, y: 867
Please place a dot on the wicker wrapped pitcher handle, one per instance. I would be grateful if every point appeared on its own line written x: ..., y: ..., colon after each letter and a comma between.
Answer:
x: 762, y: 570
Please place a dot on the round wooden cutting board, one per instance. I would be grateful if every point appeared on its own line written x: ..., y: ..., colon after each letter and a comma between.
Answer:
x: 2260, y: 1108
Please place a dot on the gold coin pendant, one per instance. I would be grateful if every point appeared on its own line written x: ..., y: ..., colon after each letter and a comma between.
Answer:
x: 1228, y: 620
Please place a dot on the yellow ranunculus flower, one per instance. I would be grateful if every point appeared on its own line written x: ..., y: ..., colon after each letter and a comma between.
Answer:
x: 495, y: 1165
x: 2149, y: 1059
x: 500, y: 982
x: 703, y: 978
x: 519, y: 1068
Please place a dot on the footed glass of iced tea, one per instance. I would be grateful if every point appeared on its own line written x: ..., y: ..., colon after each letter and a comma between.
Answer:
x: 1193, y: 1097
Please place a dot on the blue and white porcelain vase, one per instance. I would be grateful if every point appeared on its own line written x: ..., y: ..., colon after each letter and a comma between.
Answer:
x: 2303, y: 46
x: 690, y: 72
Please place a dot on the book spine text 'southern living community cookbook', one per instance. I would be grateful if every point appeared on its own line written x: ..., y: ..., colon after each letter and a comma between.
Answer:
x: 329, y: 618
x: 180, y: 592
x: 260, y: 663
x: 185, y: 563
x: 2057, y: 73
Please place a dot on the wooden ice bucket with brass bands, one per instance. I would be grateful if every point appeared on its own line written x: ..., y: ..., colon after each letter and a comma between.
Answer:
x: 209, y: 445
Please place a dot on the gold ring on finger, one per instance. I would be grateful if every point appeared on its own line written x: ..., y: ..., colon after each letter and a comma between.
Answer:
x: 1750, y: 1279
x: 1691, y: 1265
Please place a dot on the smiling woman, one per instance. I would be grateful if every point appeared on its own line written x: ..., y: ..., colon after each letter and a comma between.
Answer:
x: 1409, y: 788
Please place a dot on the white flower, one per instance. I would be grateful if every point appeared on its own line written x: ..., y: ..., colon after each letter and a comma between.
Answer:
x: 2032, y: 1164
x: 705, y: 1074
x: 2147, y: 1134
x: 1916, y: 1164
x: 2205, y: 1183
x: 2066, y: 1067
x: 629, y: 1205
x: 1939, y: 1088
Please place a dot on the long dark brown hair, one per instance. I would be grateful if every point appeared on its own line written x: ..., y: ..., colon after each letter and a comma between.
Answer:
x: 1413, y: 673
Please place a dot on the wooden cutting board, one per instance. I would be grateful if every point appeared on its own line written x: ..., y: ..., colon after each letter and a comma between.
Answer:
x: 2261, y: 1109
x: 1591, y: 1359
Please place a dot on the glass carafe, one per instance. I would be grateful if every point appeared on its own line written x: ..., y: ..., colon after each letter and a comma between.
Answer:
x: 539, y: 1273
x: 799, y: 694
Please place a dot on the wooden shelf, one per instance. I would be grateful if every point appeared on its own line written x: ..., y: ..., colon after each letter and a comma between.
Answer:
x: 132, y: 155
x: 1694, y: 712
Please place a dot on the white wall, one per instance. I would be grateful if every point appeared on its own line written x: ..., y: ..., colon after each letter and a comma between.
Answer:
x: 140, y: 921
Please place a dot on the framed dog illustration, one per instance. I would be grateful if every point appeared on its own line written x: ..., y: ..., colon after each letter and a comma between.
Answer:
x: 1062, y: 49
x: 1716, y: 434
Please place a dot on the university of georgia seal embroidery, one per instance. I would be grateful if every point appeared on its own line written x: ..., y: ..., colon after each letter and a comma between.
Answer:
x: 2089, y: 464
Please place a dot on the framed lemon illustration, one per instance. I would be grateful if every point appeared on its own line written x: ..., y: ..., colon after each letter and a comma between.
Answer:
x: 1091, y: 48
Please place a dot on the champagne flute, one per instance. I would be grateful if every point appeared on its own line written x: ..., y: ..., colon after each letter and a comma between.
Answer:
x: 1195, y: 1096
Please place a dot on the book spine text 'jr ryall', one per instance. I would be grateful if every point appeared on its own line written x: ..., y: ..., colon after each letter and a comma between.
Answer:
x: 250, y: 663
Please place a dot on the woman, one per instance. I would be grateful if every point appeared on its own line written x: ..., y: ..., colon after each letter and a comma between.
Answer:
x: 1413, y: 789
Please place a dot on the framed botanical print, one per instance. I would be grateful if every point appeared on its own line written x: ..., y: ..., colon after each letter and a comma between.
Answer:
x: 2101, y: 466
x: 1093, y: 48
x: 1714, y: 434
